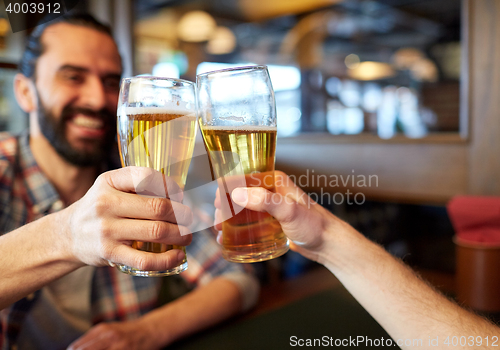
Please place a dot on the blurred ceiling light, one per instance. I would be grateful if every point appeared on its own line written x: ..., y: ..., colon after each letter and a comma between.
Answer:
x: 371, y: 71
x: 275, y: 8
x: 4, y: 26
x: 350, y: 95
x: 424, y: 70
x: 166, y: 69
x: 196, y: 26
x: 222, y: 41
x: 352, y: 61
x: 333, y: 86
x: 372, y: 97
x: 315, y: 22
x: 282, y: 77
x: 404, y: 58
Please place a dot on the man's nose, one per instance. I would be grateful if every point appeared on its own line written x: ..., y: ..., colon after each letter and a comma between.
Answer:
x: 93, y: 94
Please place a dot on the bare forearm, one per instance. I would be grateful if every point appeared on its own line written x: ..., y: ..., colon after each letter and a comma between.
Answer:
x: 396, y: 297
x: 31, y: 257
x: 200, y: 309
x: 402, y: 303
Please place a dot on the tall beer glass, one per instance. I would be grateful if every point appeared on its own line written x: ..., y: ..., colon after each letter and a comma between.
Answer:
x: 157, y: 128
x: 238, y: 122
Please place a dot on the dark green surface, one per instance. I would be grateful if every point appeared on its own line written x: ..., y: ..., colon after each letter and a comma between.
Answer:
x: 333, y: 313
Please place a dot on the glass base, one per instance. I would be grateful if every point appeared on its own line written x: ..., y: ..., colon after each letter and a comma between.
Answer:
x: 255, y: 253
x: 136, y: 272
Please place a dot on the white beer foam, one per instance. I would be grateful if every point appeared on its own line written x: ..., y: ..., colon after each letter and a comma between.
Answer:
x: 241, y: 127
x: 157, y: 110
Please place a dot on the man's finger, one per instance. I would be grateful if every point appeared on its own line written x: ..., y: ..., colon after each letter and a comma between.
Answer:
x: 127, y: 205
x: 294, y: 216
x: 151, y: 231
x: 90, y: 340
x: 143, y: 181
x: 286, y: 187
x: 148, y: 261
x: 217, y: 202
x: 284, y: 208
x: 218, y: 220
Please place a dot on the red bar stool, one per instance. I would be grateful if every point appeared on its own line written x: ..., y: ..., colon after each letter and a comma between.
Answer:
x: 476, y: 221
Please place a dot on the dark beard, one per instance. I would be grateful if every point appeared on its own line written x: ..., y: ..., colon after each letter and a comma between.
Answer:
x: 54, y: 131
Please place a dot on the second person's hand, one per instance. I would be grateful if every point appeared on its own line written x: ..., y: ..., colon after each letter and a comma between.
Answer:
x: 306, y: 223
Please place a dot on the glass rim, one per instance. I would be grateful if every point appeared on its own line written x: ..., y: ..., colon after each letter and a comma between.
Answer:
x: 154, y: 77
x: 233, y: 69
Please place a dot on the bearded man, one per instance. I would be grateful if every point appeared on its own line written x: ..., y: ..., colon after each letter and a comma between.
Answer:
x: 65, y: 218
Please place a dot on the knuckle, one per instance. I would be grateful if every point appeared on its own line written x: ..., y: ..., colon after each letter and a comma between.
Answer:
x: 188, y: 239
x: 184, y: 231
x: 156, y: 231
x: 140, y: 172
x: 146, y: 171
x: 106, y: 229
x: 102, y: 178
x: 289, y: 214
x: 168, y: 261
x: 262, y: 196
x: 160, y: 207
x: 107, y: 252
x: 102, y: 205
x: 279, y: 173
x: 283, y: 178
x: 141, y: 262
x: 257, y: 196
x: 263, y: 192
x: 174, y: 230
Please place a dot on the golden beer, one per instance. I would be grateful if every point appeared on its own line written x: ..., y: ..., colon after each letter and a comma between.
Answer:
x: 245, y: 155
x: 161, y: 139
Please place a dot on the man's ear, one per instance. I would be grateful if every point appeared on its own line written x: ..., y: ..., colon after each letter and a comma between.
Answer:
x: 24, y: 90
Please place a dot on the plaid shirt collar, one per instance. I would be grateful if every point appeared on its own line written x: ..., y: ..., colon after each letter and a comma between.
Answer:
x: 42, y: 193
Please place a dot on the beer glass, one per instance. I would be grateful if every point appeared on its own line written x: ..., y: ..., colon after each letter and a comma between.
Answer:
x: 237, y: 115
x: 157, y: 128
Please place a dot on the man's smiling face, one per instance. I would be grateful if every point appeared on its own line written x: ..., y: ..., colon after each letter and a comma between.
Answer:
x: 77, y: 82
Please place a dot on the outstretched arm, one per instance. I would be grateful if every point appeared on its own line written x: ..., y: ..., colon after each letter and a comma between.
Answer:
x: 203, y: 307
x: 404, y: 305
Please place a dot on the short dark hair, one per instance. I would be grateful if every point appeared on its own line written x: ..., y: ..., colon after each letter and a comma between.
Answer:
x: 34, y: 47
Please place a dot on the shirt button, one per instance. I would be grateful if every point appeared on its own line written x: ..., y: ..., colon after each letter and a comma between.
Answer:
x: 58, y: 205
x: 36, y: 209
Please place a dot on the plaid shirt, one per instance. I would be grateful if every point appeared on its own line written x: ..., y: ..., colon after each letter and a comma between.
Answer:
x: 26, y: 195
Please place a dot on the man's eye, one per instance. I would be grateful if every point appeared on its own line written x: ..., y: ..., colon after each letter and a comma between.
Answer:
x: 75, y: 78
x: 111, y: 84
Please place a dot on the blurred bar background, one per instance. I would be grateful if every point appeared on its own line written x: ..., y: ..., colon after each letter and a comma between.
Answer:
x: 403, y: 91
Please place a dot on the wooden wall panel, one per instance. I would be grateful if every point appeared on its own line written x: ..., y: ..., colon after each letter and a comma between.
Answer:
x: 484, y: 55
x: 424, y: 173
